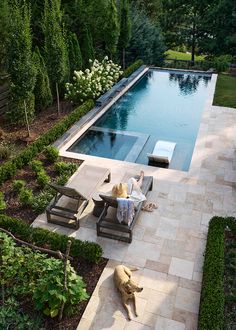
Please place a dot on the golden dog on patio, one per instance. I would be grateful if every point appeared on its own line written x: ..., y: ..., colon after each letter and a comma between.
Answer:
x: 126, y: 286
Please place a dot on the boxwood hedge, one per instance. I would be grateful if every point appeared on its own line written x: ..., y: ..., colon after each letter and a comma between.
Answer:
x: 89, y: 251
x: 9, y: 168
x: 211, y: 312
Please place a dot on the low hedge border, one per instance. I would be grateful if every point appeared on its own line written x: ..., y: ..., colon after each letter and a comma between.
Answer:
x: 211, y: 311
x: 89, y: 251
x: 133, y: 67
x: 9, y: 169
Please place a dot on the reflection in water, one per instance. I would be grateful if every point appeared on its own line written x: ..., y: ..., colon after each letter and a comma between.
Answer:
x: 188, y: 83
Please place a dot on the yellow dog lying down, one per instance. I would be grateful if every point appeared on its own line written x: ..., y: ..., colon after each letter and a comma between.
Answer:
x: 126, y: 286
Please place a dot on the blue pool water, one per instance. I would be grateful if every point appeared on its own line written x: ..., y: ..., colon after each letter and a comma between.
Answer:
x: 165, y: 105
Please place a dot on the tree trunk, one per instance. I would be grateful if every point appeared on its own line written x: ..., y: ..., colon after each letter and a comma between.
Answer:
x: 58, y: 101
x: 123, y: 59
x: 27, y: 120
x: 193, y: 41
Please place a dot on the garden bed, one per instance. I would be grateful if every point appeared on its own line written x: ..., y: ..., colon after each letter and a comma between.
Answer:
x: 14, y: 137
x: 90, y: 273
x: 14, y: 207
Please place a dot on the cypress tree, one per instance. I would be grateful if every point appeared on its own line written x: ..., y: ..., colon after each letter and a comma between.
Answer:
x: 42, y: 91
x: 56, y: 55
x: 20, y: 63
x: 74, y: 51
x: 111, y: 30
x: 125, y: 28
x: 86, y: 47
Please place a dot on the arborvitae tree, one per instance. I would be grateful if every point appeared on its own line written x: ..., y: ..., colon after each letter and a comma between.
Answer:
x: 111, y: 30
x: 4, y: 33
x: 42, y: 91
x: 56, y: 55
x: 20, y: 63
x: 86, y: 47
x: 74, y: 51
x: 125, y: 28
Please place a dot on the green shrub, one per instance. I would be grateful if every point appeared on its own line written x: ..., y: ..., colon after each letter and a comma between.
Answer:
x: 51, y: 153
x: 49, y: 293
x: 3, y: 204
x: 222, y: 62
x: 211, y: 312
x: 62, y: 179
x: 26, y: 197
x: 64, y: 168
x: 41, y: 200
x: 90, y: 251
x: 17, y: 185
x: 42, y: 178
x: 11, y: 317
x: 9, y: 168
x: 133, y: 67
x: 36, y: 165
x: 4, y: 152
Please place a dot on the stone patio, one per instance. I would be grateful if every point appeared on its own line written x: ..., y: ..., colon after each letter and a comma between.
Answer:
x: 169, y: 243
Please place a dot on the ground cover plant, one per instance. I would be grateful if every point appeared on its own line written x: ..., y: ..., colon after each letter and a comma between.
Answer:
x: 217, y: 305
x: 225, y: 94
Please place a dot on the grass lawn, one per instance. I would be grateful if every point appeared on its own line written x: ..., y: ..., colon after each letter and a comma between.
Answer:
x: 182, y: 56
x: 225, y: 93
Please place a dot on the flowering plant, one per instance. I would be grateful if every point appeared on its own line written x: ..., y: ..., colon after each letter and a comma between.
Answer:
x: 93, y: 82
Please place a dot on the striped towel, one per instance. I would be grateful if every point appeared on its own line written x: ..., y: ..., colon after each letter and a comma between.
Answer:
x: 125, y: 210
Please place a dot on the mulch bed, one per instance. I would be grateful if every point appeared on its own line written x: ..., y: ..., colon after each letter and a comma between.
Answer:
x: 230, y: 280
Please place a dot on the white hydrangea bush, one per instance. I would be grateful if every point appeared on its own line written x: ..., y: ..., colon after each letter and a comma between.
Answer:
x: 93, y: 82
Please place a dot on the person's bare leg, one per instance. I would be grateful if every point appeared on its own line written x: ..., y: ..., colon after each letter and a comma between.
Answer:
x: 140, y: 180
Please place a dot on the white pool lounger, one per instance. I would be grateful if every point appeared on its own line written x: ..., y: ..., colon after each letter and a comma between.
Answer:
x: 162, y: 152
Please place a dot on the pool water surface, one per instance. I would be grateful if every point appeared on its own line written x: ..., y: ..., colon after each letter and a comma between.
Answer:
x: 163, y: 105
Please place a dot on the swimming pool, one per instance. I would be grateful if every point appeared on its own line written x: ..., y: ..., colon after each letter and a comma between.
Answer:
x: 162, y: 105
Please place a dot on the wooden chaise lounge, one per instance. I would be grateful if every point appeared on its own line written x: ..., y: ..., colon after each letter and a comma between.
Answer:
x: 70, y: 201
x: 108, y: 225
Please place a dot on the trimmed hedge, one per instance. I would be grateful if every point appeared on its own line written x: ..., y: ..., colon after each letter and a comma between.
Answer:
x: 211, y: 312
x: 89, y: 251
x: 133, y: 67
x: 9, y: 169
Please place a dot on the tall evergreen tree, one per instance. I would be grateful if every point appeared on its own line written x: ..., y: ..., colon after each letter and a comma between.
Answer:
x: 75, y: 57
x: 4, y: 33
x: 86, y: 46
x: 56, y: 55
x: 111, y: 28
x: 125, y: 28
x: 42, y: 91
x: 20, y: 63
x: 146, y: 41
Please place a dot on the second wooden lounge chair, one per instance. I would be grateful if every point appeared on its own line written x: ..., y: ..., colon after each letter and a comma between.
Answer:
x: 108, y: 225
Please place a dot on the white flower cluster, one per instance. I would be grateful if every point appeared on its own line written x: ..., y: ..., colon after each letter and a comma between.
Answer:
x: 93, y: 82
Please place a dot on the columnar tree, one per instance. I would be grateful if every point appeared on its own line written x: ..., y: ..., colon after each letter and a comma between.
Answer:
x: 111, y: 28
x: 42, y: 91
x: 125, y: 28
x: 20, y: 63
x: 86, y: 46
x: 75, y: 57
x: 4, y: 33
x: 55, y: 48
